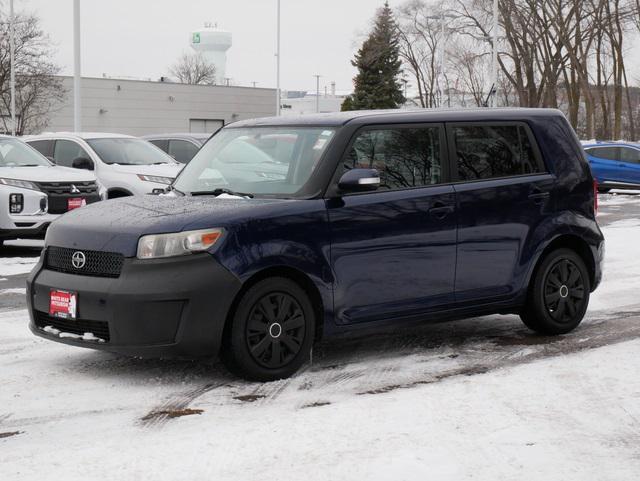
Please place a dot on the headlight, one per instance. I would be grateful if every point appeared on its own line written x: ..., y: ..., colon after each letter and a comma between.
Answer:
x: 156, y: 178
x: 24, y: 184
x: 177, y: 244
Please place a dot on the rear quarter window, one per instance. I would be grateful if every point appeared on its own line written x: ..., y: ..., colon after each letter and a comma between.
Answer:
x: 486, y: 151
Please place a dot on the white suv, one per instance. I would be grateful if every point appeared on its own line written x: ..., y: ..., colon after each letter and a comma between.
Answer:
x: 34, y: 192
x: 124, y: 165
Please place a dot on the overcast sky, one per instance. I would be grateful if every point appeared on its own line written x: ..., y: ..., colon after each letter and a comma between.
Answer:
x: 142, y: 38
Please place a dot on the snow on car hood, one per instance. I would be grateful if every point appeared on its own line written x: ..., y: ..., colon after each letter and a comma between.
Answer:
x: 162, y: 170
x: 45, y: 173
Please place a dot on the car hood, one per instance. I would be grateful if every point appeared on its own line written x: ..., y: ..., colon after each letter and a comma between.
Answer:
x: 163, y: 170
x: 117, y: 225
x: 47, y: 174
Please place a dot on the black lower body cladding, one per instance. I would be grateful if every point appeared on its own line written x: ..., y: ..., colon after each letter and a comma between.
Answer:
x: 171, y: 308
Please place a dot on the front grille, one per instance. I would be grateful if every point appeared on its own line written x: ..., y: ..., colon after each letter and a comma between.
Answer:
x: 59, y: 194
x: 98, y: 263
x: 63, y: 188
x: 79, y: 326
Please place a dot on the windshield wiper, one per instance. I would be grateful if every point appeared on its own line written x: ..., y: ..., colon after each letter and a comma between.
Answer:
x: 217, y: 192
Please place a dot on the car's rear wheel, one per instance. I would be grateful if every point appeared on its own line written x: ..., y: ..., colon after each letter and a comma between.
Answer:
x: 272, y: 331
x: 558, y: 295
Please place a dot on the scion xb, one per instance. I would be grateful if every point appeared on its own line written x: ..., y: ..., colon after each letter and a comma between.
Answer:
x: 378, y: 218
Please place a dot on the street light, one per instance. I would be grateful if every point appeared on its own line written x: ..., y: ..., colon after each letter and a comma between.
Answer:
x: 443, y: 50
x: 77, y: 105
x: 494, y: 55
x: 278, y: 107
x: 12, y: 56
x: 317, y: 93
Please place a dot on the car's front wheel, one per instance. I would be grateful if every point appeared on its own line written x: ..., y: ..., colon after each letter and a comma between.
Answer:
x: 272, y: 331
x: 558, y: 295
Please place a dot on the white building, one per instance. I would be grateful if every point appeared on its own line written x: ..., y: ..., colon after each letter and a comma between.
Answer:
x: 137, y: 107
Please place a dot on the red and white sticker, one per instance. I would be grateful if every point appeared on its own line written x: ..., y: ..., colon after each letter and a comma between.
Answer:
x: 63, y: 304
x: 76, y: 203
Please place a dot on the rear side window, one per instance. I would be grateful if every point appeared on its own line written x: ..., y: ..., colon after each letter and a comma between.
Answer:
x: 161, y: 144
x: 630, y: 155
x: 45, y: 147
x: 405, y: 157
x: 182, y: 151
x: 607, y: 153
x: 494, y: 151
x: 66, y: 151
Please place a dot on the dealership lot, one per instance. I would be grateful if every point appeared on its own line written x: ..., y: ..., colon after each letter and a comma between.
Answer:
x: 481, y: 398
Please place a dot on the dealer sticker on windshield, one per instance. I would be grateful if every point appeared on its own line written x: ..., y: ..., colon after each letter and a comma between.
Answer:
x: 63, y: 304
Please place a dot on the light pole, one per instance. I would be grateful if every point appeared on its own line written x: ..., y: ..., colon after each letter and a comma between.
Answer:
x: 443, y: 51
x: 494, y: 56
x: 12, y: 56
x: 278, y: 106
x: 77, y: 102
x: 317, y: 93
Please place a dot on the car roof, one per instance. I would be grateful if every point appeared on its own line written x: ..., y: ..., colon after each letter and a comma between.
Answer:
x: 179, y: 136
x: 609, y: 143
x: 78, y: 135
x: 338, y: 119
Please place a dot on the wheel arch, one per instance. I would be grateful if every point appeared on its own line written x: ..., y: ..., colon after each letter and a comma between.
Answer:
x: 574, y: 243
x: 117, y: 192
x: 293, y: 274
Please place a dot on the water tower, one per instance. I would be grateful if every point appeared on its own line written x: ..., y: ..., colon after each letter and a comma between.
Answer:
x: 213, y: 44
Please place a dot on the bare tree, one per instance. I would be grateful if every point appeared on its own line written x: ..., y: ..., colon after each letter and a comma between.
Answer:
x: 194, y: 69
x: 38, y: 90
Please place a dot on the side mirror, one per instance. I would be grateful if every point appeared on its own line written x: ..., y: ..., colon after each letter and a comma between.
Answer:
x: 82, y: 163
x: 359, y: 180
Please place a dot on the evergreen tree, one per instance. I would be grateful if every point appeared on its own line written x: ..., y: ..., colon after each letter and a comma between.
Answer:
x: 377, y: 85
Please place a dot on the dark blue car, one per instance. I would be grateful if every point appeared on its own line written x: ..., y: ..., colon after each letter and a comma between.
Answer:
x: 615, y: 165
x: 378, y: 218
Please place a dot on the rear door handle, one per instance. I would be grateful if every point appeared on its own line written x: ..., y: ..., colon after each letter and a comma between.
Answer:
x: 538, y: 196
x: 440, y: 210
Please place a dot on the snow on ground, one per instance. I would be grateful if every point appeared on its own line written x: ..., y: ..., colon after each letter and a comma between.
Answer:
x: 476, y: 399
x: 17, y: 265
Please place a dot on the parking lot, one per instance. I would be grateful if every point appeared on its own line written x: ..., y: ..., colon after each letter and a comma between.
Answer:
x: 406, y: 401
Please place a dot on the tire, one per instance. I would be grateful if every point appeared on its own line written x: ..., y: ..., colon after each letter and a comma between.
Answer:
x: 558, y: 294
x: 271, y: 332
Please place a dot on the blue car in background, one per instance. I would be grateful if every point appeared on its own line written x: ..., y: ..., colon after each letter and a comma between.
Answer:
x: 615, y: 165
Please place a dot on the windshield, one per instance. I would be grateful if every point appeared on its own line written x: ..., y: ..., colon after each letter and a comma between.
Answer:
x: 259, y: 160
x: 129, y: 152
x: 14, y: 153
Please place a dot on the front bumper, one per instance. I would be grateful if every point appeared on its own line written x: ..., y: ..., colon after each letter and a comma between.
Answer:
x: 170, y: 308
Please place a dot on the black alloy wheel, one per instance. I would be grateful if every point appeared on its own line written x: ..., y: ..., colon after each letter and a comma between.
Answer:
x: 276, y: 329
x: 271, y: 331
x: 564, y: 291
x: 558, y: 294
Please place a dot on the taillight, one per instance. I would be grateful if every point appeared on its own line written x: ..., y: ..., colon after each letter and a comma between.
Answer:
x: 595, y: 196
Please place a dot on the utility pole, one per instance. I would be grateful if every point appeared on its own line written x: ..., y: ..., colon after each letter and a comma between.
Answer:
x: 77, y: 103
x: 317, y: 93
x: 12, y: 55
x: 494, y: 54
x: 278, y: 107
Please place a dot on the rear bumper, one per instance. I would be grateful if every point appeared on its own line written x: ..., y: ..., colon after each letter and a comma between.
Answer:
x: 170, y: 308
